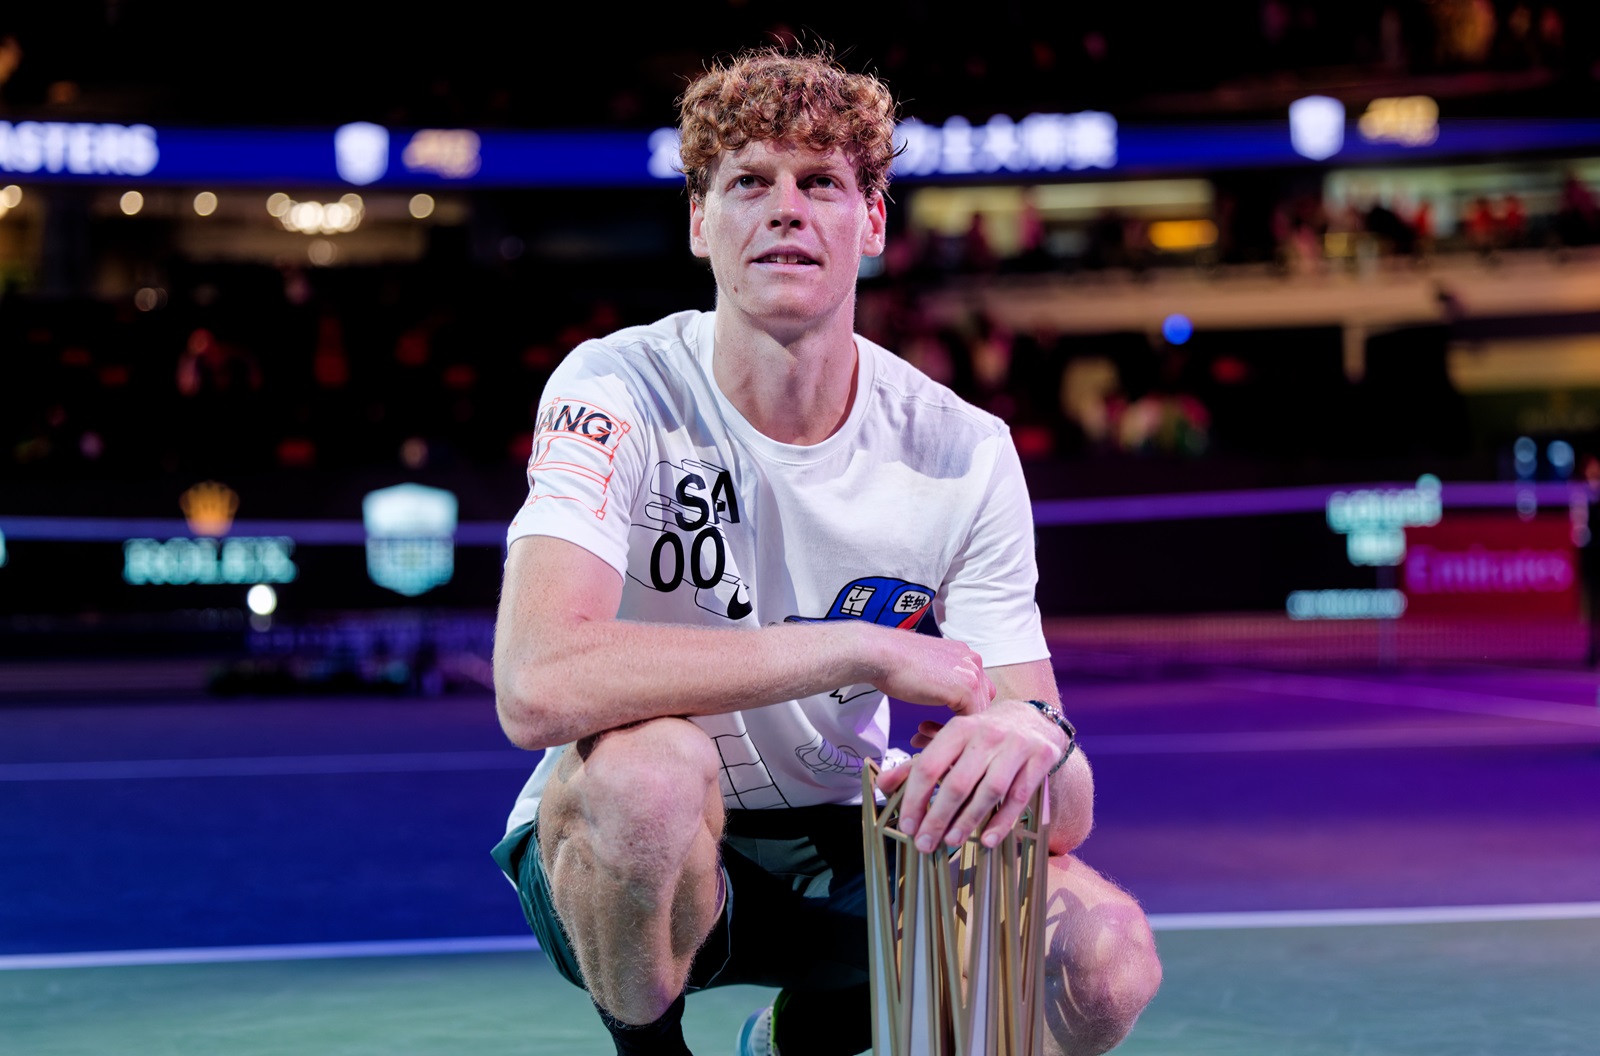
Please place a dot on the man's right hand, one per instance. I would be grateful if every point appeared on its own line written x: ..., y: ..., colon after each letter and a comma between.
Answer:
x: 937, y: 672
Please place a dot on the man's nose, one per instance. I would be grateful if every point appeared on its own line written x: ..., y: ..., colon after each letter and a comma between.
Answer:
x: 790, y: 207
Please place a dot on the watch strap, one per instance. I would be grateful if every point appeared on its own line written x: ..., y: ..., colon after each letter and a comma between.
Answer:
x: 1054, y: 713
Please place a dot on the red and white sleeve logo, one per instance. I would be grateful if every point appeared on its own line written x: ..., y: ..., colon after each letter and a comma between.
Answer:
x: 573, y: 449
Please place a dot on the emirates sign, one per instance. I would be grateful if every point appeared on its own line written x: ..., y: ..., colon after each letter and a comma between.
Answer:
x: 1492, y: 566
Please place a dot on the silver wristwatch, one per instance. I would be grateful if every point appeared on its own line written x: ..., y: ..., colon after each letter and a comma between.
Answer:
x: 1054, y: 714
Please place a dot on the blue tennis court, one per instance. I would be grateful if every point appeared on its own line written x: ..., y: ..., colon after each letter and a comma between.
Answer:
x: 1338, y: 860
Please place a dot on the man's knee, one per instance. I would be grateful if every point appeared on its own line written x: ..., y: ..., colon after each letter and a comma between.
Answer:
x: 628, y: 833
x: 655, y: 763
x: 1103, y: 968
x: 1106, y: 993
x: 636, y: 797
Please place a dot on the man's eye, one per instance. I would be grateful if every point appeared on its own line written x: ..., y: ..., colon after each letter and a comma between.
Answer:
x: 745, y: 182
x: 824, y: 181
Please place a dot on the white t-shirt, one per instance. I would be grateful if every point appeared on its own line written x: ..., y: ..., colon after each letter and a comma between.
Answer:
x: 915, y: 509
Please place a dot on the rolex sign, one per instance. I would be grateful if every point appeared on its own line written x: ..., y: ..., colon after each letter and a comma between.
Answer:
x: 410, y: 537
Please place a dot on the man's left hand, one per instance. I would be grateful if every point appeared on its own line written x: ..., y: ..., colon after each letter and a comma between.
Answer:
x: 968, y: 768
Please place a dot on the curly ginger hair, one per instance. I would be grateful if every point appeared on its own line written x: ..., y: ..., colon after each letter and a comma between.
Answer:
x: 807, y: 99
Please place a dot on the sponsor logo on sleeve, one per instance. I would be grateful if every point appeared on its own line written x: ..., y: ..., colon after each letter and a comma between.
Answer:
x: 573, y: 449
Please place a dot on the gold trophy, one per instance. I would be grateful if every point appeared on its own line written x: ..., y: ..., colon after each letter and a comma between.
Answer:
x: 956, y: 936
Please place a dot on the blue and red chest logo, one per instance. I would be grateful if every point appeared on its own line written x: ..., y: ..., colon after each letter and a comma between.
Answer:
x: 882, y: 600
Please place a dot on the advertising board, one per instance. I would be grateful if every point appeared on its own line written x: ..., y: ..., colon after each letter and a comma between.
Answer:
x: 1492, y: 565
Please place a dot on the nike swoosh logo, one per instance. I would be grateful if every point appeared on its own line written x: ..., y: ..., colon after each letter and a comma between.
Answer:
x: 738, y: 610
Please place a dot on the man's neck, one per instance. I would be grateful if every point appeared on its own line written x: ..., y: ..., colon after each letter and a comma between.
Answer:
x: 795, y: 387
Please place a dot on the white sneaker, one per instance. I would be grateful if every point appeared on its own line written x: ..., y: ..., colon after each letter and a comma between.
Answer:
x: 755, y: 1037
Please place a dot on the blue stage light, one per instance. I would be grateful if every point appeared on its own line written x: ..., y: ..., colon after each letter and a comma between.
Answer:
x: 1177, y: 329
x: 1562, y: 458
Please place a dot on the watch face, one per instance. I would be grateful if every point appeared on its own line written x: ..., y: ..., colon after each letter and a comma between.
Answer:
x: 1054, y: 713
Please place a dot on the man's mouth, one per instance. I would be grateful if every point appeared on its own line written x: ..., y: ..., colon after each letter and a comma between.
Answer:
x: 785, y: 258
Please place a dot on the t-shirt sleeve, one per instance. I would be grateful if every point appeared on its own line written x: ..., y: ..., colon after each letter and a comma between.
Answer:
x: 587, y: 458
x: 988, y: 593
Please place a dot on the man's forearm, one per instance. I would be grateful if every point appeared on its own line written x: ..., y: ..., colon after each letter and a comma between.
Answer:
x: 595, y: 675
x: 565, y: 667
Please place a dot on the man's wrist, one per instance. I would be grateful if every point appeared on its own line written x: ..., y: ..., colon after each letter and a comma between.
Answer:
x: 862, y: 651
x: 1056, y: 716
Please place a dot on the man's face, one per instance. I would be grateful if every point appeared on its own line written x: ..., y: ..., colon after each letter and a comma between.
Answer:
x: 785, y: 229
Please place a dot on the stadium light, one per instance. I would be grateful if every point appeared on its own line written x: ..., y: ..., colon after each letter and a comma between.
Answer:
x: 262, y: 600
x: 318, y: 218
x: 1178, y: 235
x: 1561, y: 457
x: 1411, y: 121
x: 1177, y: 329
x: 1525, y: 457
x: 361, y: 152
x: 1316, y: 127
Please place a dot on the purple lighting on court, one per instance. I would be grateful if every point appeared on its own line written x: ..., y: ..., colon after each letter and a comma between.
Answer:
x: 1122, y: 509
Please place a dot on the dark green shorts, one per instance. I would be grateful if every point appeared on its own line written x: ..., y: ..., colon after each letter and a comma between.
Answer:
x: 795, y: 915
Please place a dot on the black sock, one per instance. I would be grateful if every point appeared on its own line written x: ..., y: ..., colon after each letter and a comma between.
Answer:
x: 826, y: 1023
x: 664, y: 1037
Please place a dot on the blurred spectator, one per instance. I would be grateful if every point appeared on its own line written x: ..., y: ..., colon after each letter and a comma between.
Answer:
x: 1552, y: 35
x: 1089, y: 388
x: 990, y: 347
x: 1169, y: 419
x: 1479, y: 224
x: 1164, y: 423
x: 1032, y: 254
x: 209, y: 367
x: 1391, y: 40
x: 1300, y: 246
x: 1578, y: 221
x: 1393, y: 233
x: 1274, y: 22
x: 330, y: 365
x: 1513, y: 222
x: 1033, y: 382
x: 1299, y: 227
x: 1422, y: 226
x: 1116, y: 240
x: 977, y: 255
x: 923, y: 348
x: 1465, y: 30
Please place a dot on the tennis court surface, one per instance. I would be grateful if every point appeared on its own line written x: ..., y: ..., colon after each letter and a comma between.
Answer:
x: 1349, y: 859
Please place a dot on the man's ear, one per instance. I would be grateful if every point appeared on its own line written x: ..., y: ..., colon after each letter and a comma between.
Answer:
x: 877, y: 226
x: 697, y: 238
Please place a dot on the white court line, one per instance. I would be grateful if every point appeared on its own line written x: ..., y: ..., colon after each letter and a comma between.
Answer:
x: 1350, y: 918
x: 267, y: 766
x: 1293, y: 918
x: 312, y: 951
